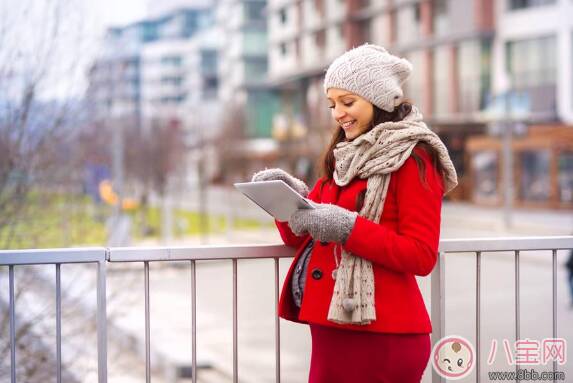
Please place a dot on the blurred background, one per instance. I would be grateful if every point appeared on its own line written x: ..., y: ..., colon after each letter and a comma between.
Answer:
x: 125, y: 123
x: 163, y: 105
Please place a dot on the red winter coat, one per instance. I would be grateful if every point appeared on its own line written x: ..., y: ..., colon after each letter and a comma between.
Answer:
x: 402, y: 245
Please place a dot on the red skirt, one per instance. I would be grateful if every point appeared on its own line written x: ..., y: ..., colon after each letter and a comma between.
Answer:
x: 346, y: 356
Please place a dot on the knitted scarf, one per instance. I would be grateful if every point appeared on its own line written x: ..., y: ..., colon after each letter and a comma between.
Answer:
x: 375, y: 155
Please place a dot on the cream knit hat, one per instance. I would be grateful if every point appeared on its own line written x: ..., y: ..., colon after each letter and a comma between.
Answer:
x: 370, y: 72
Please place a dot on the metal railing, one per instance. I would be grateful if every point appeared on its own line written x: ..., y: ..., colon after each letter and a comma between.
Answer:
x: 59, y: 257
x: 101, y: 256
x: 480, y: 246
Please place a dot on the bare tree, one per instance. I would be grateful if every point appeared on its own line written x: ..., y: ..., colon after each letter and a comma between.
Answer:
x: 41, y: 46
x: 35, y: 119
x: 229, y: 144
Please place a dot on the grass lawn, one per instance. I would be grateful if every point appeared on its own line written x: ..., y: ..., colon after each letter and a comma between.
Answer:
x: 54, y: 220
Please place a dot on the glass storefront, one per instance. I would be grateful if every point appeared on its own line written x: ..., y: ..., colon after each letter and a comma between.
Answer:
x: 542, y: 168
x: 535, y: 180
x: 485, y: 176
x: 565, y: 177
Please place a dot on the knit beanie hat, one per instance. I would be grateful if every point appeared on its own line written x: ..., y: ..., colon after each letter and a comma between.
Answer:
x: 370, y: 72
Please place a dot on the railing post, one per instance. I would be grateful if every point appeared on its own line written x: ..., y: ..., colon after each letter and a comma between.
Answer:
x: 478, y: 316
x: 277, y: 325
x: 101, y: 322
x: 438, y: 306
x: 235, y: 325
x: 194, y: 321
x: 12, y: 307
x: 58, y: 325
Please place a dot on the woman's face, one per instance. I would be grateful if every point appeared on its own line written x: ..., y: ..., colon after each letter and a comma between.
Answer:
x: 352, y: 112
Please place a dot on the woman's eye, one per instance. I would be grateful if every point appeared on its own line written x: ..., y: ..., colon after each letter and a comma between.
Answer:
x: 347, y: 104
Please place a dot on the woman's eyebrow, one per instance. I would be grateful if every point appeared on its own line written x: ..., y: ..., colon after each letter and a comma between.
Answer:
x: 341, y: 96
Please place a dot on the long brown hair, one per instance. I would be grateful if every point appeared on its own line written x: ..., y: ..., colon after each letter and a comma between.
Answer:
x: 380, y: 116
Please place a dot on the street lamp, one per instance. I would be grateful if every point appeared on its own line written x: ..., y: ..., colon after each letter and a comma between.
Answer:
x: 505, y: 114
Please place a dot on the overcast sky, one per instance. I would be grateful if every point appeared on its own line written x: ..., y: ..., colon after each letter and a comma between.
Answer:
x: 27, y: 42
x: 82, y: 27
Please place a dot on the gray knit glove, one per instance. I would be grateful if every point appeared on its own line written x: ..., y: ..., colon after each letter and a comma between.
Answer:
x: 326, y: 223
x: 279, y: 174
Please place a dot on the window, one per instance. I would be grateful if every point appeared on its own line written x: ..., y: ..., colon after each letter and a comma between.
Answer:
x: 532, y: 68
x: 172, y: 60
x: 255, y: 69
x: 532, y: 62
x: 255, y: 42
x: 440, y: 17
x: 283, y: 49
x: 473, y: 71
x: 283, y: 15
x: 520, y: 4
x: 210, y: 86
x: 535, y: 183
x: 565, y: 177
x: 254, y: 11
x: 209, y: 61
x: 408, y: 24
x: 441, y: 83
x: 172, y: 80
x: 484, y: 165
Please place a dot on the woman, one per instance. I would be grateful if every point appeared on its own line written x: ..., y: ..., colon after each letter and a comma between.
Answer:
x: 376, y: 227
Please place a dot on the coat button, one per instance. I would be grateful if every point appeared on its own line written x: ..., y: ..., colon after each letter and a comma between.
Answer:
x: 317, y: 273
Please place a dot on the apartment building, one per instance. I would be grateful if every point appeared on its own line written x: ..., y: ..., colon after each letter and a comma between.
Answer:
x: 248, y: 104
x: 179, y: 81
x: 467, y: 54
x: 448, y: 42
x: 532, y: 61
x: 115, y: 77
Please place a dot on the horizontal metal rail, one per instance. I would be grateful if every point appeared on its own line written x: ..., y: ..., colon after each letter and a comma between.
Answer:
x: 52, y: 256
x: 198, y: 253
x: 505, y: 244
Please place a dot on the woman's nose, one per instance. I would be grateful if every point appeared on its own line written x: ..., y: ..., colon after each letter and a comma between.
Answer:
x: 338, y: 113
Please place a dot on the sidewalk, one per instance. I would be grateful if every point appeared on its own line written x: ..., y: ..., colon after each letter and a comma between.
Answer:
x: 459, y: 220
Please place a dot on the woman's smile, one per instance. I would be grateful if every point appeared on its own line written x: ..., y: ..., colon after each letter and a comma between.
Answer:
x: 346, y: 125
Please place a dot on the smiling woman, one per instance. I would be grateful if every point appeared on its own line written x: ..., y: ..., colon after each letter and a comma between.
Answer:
x: 375, y: 226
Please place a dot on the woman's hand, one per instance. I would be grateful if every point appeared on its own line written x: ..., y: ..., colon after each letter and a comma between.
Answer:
x: 279, y: 174
x: 325, y: 223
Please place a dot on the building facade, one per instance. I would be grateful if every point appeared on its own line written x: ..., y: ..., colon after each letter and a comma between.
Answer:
x: 248, y: 104
x: 532, y: 68
x: 161, y: 71
x: 115, y: 77
x: 448, y: 42
x: 466, y: 55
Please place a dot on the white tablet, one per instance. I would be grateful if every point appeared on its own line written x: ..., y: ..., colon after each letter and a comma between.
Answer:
x: 275, y: 197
